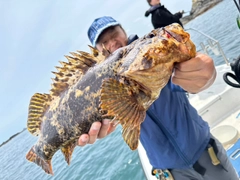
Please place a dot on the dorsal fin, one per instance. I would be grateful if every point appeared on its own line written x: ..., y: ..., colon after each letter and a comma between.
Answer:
x: 99, y: 55
x: 78, y: 64
x: 39, y: 103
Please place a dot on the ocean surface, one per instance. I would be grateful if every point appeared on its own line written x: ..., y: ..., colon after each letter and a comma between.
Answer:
x: 110, y: 158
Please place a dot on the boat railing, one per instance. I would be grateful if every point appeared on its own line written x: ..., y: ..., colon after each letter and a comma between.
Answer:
x: 212, y: 44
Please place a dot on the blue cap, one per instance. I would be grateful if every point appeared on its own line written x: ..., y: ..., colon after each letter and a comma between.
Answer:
x: 98, y: 26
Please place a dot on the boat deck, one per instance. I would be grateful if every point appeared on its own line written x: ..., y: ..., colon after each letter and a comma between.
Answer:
x: 219, y: 105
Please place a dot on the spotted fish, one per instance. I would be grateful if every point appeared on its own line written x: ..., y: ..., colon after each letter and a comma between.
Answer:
x: 90, y: 87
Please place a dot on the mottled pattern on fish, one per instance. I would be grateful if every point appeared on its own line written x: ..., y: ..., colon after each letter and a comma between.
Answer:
x: 89, y: 88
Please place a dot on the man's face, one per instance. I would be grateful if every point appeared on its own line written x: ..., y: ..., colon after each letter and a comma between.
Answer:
x: 112, y: 38
x: 154, y: 2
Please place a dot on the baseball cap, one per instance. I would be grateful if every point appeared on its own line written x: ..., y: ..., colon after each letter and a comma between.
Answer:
x: 98, y: 26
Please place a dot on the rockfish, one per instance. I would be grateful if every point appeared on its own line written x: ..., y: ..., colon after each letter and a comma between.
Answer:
x: 91, y: 87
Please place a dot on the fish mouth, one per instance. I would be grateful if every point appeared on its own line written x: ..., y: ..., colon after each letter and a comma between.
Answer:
x: 175, y: 36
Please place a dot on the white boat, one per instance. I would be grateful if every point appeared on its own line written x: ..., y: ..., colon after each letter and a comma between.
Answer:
x: 219, y: 105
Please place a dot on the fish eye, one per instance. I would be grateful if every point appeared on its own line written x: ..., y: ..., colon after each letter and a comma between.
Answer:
x: 151, y: 35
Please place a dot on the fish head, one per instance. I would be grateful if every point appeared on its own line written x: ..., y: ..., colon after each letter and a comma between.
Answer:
x: 151, y: 61
x: 174, y: 32
x: 166, y: 43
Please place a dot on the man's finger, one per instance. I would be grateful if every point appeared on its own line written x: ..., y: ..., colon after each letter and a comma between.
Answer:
x: 112, y: 127
x: 177, y: 74
x: 83, y: 140
x: 193, y: 64
x: 104, y: 128
x: 93, y: 132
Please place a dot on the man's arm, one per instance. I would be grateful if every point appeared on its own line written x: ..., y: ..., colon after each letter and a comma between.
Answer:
x: 164, y: 16
x: 179, y: 14
x: 196, y: 74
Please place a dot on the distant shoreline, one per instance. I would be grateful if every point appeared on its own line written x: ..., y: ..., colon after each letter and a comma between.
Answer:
x: 5, y: 142
x: 199, y: 7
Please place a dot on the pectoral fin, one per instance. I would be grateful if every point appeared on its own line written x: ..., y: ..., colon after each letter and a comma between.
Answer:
x: 122, y: 102
x: 131, y: 137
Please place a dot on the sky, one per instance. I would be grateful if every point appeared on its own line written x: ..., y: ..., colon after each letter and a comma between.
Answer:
x: 35, y: 36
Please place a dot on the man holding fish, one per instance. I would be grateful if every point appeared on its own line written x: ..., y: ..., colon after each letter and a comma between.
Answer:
x: 174, y: 136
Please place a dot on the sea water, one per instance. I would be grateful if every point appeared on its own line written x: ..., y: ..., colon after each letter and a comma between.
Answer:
x: 110, y: 158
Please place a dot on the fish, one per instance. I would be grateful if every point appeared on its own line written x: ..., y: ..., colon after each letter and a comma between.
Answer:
x: 90, y: 87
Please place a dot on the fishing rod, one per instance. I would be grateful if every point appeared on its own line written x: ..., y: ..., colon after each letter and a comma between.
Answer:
x: 235, y: 67
x: 186, y: 12
x: 237, y: 4
x: 238, y: 7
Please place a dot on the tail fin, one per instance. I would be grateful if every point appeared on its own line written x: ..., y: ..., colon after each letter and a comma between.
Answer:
x: 44, y: 164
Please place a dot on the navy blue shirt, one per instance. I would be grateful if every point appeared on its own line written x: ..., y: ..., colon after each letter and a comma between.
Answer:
x: 178, y: 135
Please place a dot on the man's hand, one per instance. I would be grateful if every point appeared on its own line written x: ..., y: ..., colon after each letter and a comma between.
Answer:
x: 98, y: 130
x: 196, y: 74
x: 182, y: 11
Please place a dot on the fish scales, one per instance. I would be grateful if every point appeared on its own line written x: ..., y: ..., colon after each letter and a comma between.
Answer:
x: 91, y: 87
x: 65, y: 121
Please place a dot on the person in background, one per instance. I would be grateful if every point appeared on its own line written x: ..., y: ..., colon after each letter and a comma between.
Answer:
x: 174, y: 136
x: 161, y: 16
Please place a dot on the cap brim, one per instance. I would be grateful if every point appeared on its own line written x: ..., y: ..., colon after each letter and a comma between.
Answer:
x: 102, y: 29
